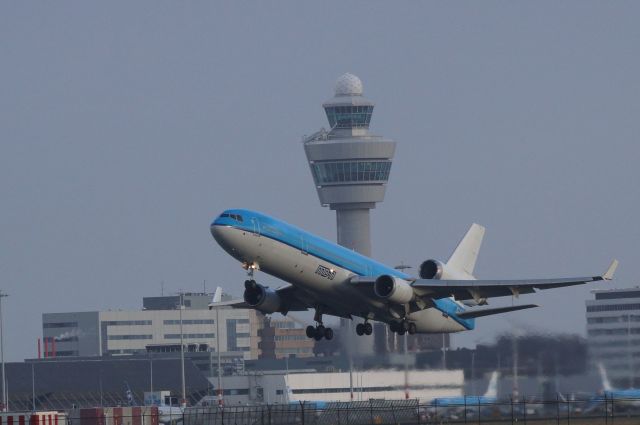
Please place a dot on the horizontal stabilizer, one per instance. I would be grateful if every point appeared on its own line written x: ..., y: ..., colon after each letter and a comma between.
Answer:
x: 480, y: 312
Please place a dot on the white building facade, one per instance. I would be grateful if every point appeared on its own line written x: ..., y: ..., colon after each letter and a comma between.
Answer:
x: 132, y: 332
x: 613, y: 332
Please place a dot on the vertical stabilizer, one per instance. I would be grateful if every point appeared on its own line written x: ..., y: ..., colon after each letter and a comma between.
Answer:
x: 492, y: 389
x: 605, y: 380
x: 466, y: 253
x: 217, y: 296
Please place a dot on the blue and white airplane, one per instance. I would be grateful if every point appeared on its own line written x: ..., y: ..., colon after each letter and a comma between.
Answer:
x: 489, y: 398
x: 621, y: 397
x: 334, y: 280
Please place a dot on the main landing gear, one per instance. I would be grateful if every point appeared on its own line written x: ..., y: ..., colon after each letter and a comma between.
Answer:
x: 319, y: 331
x: 403, y: 327
x: 364, y: 329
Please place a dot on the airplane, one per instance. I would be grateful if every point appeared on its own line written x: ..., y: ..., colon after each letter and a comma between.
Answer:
x: 490, y: 397
x: 629, y: 397
x: 337, y: 281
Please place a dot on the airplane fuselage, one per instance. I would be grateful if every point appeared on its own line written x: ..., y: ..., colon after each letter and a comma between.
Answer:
x: 322, y: 269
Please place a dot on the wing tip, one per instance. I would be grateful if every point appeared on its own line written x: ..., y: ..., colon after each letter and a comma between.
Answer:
x: 608, y: 275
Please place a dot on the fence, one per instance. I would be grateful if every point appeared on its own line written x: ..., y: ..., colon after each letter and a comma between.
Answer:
x: 590, y: 411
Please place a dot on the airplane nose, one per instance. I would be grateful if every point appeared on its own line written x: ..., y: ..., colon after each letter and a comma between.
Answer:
x: 216, y: 233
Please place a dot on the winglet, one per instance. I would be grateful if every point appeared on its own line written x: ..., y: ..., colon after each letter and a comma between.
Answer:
x: 608, y: 275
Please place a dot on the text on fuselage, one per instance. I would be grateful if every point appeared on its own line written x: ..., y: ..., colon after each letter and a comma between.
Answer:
x: 326, y: 272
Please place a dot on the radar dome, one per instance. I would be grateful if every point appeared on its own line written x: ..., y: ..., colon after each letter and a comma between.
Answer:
x: 348, y: 85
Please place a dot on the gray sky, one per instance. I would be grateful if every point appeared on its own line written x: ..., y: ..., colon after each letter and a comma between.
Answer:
x: 125, y: 127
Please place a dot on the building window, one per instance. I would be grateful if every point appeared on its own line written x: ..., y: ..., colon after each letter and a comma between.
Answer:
x: 232, y: 339
x: 60, y: 325
x: 190, y: 322
x: 351, y: 171
x: 615, y: 307
x: 128, y: 337
x: 190, y: 336
x: 127, y: 322
x: 349, y: 116
x: 69, y: 353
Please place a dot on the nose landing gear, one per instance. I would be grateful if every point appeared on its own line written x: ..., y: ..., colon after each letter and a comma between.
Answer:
x: 403, y: 327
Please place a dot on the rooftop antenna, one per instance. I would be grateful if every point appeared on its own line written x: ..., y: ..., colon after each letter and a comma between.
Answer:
x: 162, y: 288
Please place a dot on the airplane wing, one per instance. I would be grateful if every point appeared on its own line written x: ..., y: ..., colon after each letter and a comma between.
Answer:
x: 292, y: 300
x: 480, y: 290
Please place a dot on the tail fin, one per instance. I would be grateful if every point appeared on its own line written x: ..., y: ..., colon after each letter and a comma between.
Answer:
x: 217, y: 296
x: 465, y: 255
x: 605, y: 380
x: 492, y: 389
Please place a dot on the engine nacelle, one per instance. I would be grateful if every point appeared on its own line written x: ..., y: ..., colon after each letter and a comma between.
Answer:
x: 434, y: 269
x: 396, y: 290
x: 261, y: 298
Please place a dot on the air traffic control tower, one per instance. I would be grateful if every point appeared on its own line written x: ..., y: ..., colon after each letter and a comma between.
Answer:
x: 350, y: 168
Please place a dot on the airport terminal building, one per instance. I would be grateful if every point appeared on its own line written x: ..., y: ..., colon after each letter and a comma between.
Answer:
x: 155, y: 328
x: 613, y: 332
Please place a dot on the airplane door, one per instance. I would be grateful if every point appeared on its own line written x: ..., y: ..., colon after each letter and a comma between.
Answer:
x: 256, y: 226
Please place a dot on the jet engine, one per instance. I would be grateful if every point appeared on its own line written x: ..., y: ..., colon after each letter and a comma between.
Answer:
x: 434, y: 269
x: 396, y: 290
x: 261, y: 298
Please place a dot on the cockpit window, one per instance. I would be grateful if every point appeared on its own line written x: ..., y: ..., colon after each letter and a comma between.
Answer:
x: 236, y: 217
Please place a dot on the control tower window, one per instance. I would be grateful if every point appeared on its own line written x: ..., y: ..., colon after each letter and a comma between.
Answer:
x: 351, y: 171
x: 349, y: 116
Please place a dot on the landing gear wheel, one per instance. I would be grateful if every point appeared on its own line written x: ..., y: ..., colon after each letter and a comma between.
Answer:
x: 401, y: 331
x: 328, y: 334
x: 318, y: 333
x: 368, y: 329
x: 394, y: 327
x: 412, y: 329
x: 360, y: 329
x: 311, y: 331
x: 405, y: 325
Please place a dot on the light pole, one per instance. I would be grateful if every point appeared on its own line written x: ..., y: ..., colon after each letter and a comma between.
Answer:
x: 219, y: 360
x: 184, y: 390
x: 4, y: 376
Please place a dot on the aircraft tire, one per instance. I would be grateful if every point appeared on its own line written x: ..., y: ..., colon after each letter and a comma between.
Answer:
x: 368, y: 329
x: 311, y: 331
x: 412, y: 329
x: 393, y: 327
x: 328, y: 334
x: 360, y: 329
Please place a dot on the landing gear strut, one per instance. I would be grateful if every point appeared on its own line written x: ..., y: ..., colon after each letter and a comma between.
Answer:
x: 319, y: 331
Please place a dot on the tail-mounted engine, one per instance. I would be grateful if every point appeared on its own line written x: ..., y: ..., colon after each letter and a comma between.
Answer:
x: 396, y: 290
x: 434, y: 269
x: 260, y: 297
